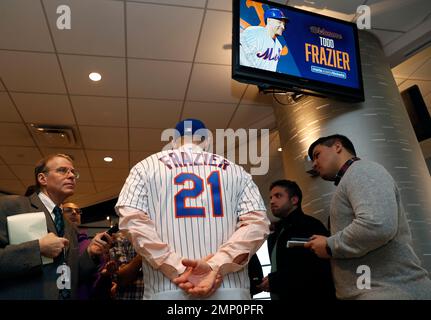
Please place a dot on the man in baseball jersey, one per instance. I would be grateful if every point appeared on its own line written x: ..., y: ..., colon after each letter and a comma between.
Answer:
x: 259, y: 46
x: 190, y: 208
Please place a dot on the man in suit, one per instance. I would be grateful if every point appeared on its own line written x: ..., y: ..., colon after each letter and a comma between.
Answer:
x: 22, y: 274
x: 296, y: 273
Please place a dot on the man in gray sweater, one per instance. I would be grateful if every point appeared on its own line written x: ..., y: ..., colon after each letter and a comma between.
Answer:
x: 370, y: 243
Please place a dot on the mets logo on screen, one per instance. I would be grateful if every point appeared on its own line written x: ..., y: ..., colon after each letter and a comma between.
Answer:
x: 268, y: 54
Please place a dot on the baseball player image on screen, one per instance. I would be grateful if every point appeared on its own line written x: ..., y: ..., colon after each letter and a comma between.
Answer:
x: 259, y: 46
x: 195, y: 217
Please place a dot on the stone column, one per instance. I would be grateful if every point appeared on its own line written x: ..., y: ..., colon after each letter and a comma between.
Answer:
x: 380, y: 130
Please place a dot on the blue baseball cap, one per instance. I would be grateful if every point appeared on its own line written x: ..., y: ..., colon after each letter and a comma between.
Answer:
x: 188, y: 127
x: 275, y: 14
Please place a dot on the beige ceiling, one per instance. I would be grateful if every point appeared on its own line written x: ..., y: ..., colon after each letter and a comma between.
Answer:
x: 161, y: 61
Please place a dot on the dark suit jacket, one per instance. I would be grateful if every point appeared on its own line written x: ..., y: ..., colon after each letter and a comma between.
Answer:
x: 22, y: 275
x: 300, y: 273
x: 255, y: 273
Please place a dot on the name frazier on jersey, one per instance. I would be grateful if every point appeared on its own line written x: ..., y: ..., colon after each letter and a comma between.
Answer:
x: 184, y: 159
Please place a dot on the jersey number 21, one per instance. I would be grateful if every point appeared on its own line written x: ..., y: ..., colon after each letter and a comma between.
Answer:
x: 212, y: 182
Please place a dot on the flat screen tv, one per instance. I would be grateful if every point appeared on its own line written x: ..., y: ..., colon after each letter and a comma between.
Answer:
x: 280, y: 47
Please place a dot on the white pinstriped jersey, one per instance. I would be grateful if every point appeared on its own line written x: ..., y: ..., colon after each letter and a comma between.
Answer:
x: 194, y: 199
x: 258, y: 49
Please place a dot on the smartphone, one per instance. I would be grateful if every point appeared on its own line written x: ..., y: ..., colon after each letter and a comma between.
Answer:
x: 293, y: 243
x: 111, y: 231
x: 297, y: 242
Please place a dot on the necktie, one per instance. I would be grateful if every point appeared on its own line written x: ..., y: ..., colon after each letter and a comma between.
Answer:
x: 59, y: 222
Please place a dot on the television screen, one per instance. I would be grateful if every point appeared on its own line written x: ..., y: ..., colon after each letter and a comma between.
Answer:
x: 281, y: 47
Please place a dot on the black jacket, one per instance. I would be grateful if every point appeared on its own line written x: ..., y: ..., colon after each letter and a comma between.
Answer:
x: 255, y: 274
x: 300, y: 273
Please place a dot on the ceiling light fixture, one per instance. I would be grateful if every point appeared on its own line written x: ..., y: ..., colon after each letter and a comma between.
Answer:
x: 279, y: 149
x: 95, y: 76
x: 108, y: 159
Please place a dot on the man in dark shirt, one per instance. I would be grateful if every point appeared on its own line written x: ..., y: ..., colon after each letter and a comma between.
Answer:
x: 296, y: 272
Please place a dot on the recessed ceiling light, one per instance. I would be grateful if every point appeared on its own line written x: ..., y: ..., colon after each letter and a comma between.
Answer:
x: 279, y: 149
x: 95, y: 76
x: 108, y: 159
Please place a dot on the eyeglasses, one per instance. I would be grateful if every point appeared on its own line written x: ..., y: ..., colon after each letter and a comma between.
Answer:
x: 69, y: 210
x: 65, y: 171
